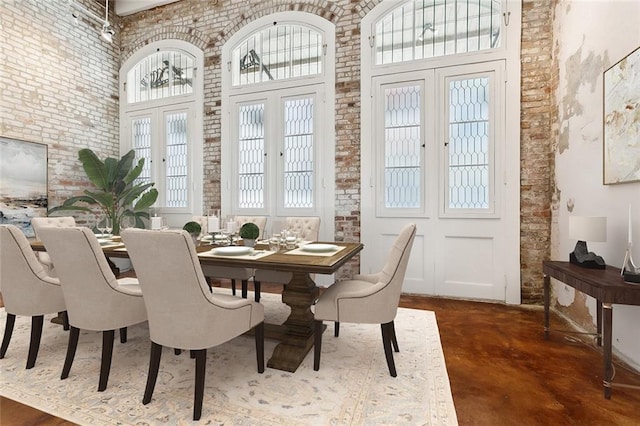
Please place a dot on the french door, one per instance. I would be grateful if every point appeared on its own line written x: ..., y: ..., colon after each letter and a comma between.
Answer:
x: 436, y: 159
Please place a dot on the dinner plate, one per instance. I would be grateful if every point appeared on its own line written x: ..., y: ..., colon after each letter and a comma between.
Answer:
x: 104, y: 236
x: 318, y: 247
x: 232, y: 250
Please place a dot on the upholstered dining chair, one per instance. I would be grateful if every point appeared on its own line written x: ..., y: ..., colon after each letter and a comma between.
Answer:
x: 95, y: 299
x: 57, y: 222
x: 182, y: 313
x: 237, y: 274
x: 307, y: 228
x: 368, y: 299
x: 26, y: 289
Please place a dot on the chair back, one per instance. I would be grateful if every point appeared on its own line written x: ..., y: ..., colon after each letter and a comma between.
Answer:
x: 182, y: 312
x: 204, y: 223
x: 261, y: 221
x: 307, y: 228
x: 58, y: 222
x: 26, y: 288
x: 87, y: 281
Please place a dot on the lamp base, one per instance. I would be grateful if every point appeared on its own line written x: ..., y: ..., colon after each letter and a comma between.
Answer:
x: 581, y: 256
x: 630, y: 277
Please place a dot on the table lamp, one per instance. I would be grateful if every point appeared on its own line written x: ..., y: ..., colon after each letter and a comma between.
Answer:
x: 585, y: 229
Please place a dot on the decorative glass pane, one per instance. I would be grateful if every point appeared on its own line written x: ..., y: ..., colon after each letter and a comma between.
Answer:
x: 298, y: 153
x: 402, y: 147
x: 176, y: 160
x: 141, y: 129
x: 160, y: 75
x: 279, y: 52
x: 430, y: 28
x: 469, y: 143
x: 251, y: 156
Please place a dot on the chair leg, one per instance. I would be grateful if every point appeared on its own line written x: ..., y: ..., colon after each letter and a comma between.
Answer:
x: 387, y: 330
x: 152, y: 376
x: 394, y: 340
x: 317, y: 344
x: 74, y: 334
x: 177, y: 351
x: 233, y: 287
x: 336, y: 329
x: 201, y: 362
x: 256, y: 291
x: 8, y: 331
x: 208, y: 280
x: 65, y: 320
x: 259, y: 335
x: 123, y: 335
x: 107, y: 353
x: 245, y: 288
x: 36, y: 333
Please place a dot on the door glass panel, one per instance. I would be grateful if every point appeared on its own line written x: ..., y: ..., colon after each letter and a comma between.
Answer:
x: 298, y: 153
x: 141, y: 129
x: 402, y: 147
x: 251, y: 156
x: 176, y: 160
x: 468, y: 158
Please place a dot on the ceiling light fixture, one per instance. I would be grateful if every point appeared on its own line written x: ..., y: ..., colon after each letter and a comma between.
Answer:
x: 107, y: 32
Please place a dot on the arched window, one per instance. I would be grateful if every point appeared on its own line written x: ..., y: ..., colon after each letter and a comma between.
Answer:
x: 161, y: 120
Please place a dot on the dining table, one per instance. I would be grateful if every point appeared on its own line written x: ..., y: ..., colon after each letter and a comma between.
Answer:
x: 296, y: 334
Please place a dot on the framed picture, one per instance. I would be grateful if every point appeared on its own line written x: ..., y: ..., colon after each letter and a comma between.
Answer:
x: 622, y: 120
x: 23, y: 182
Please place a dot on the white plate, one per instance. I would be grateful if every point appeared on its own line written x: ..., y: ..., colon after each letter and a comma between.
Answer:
x: 104, y: 236
x: 232, y: 250
x: 319, y: 247
x: 104, y: 241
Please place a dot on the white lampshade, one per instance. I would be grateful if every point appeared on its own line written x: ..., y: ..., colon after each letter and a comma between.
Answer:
x: 585, y: 228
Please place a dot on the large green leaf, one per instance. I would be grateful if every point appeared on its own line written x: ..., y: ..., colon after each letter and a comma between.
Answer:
x: 147, y: 199
x: 103, y: 198
x: 94, y: 168
x: 111, y: 165
x: 125, y: 164
x: 69, y: 208
x: 133, y: 192
x: 135, y: 172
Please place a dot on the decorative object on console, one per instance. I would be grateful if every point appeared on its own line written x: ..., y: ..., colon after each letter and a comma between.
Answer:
x: 194, y: 229
x: 629, y: 271
x: 585, y: 229
x: 249, y: 232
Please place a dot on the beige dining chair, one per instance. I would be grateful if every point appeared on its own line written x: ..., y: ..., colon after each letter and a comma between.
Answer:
x: 307, y: 228
x: 236, y: 274
x: 26, y: 289
x: 95, y: 299
x: 57, y: 222
x: 367, y: 299
x: 182, y: 313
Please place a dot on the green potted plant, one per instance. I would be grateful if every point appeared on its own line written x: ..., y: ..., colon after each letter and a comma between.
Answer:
x: 249, y: 232
x: 117, y: 194
x: 194, y: 229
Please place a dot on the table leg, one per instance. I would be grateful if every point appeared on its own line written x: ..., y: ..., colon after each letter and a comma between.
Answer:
x: 297, y: 339
x: 599, y: 322
x: 607, y: 324
x: 547, y: 294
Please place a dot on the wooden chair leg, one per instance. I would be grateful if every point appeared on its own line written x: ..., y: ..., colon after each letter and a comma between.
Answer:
x: 336, y: 329
x: 37, y: 322
x: 209, y: 283
x: 245, y: 288
x: 386, y: 342
x: 74, y: 335
x: 177, y: 351
x: 8, y: 331
x: 152, y: 376
x: 123, y: 335
x: 394, y: 340
x: 317, y: 344
x: 107, y: 353
x: 65, y: 320
x: 201, y: 362
x: 233, y: 287
x: 256, y: 291
x: 259, y: 336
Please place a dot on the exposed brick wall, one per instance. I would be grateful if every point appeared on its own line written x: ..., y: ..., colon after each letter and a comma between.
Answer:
x: 59, y: 84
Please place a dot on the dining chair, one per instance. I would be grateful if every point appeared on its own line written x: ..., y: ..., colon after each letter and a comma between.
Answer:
x: 367, y: 299
x: 237, y: 274
x: 26, y: 289
x: 58, y: 222
x: 182, y: 313
x: 95, y: 299
x: 307, y: 228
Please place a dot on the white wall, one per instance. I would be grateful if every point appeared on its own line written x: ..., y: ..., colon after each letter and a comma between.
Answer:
x: 591, y: 36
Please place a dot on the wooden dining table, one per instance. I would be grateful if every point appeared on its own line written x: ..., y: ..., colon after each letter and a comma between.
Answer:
x: 296, y: 334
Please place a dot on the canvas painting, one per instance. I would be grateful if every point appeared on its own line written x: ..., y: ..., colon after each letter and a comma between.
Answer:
x: 23, y: 182
x: 622, y: 120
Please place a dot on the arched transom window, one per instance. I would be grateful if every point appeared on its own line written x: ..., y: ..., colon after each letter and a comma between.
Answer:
x: 430, y: 28
x: 160, y: 75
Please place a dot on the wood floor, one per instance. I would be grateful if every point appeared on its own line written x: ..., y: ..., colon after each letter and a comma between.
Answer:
x: 501, y: 370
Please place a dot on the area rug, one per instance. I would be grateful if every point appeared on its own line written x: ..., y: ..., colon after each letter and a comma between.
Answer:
x: 352, y: 387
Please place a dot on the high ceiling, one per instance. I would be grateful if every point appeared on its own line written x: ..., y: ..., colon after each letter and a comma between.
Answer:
x: 128, y: 7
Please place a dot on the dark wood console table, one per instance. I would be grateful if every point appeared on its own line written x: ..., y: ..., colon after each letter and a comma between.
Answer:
x: 607, y: 287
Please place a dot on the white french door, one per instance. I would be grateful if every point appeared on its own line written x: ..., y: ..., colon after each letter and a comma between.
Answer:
x: 436, y: 159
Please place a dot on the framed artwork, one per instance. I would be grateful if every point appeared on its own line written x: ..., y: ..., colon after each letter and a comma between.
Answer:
x: 622, y: 120
x: 23, y: 182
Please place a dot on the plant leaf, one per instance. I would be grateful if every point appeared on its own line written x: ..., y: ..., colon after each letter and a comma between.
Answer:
x: 103, y: 198
x: 135, y: 172
x: 94, y: 168
x: 125, y: 164
x: 147, y: 199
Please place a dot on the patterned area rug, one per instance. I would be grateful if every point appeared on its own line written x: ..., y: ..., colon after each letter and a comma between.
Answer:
x: 353, y: 386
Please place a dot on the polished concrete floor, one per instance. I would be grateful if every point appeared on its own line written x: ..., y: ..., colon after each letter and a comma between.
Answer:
x: 502, y: 371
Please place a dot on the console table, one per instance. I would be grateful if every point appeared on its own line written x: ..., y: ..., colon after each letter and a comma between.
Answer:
x: 607, y: 287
